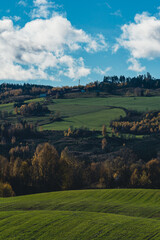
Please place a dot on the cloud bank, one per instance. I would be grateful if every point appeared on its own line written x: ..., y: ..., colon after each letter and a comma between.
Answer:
x: 45, y: 46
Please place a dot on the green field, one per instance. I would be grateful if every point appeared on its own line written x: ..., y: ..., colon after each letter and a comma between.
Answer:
x: 94, y: 112
x: 87, y: 214
x: 7, y: 107
x: 133, y: 103
x: 88, y: 112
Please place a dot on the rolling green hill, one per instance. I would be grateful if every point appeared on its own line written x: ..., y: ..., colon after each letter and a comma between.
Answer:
x: 87, y: 112
x: 87, y: 214
x: 94, y: 112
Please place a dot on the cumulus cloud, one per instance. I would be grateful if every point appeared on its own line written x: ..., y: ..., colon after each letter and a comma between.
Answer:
x: 97, y: 44
x: 135, y: 66
x: 99, y: 71
x: 43, y: 45
x: 141, y: 38
x: 73, y: 68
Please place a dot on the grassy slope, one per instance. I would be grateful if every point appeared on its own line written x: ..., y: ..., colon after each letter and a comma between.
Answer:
x: 138, y: 103
x: 89, y: 112
x: 94, y: 120
x: 87, y: 214
x: 93, y: 112
x: 7, y: 107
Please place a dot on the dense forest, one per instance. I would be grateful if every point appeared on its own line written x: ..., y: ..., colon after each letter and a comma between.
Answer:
x: 48, y: 170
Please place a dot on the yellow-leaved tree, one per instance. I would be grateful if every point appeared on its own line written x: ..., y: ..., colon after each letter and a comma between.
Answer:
x: 45, y: 164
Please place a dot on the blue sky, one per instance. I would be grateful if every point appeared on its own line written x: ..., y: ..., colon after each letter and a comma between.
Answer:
x: 59, y: 42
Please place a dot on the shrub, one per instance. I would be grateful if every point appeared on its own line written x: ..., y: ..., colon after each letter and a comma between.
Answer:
x: 6, y: 190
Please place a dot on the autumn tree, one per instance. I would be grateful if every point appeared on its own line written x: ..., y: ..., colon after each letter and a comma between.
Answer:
x: 70, y: 171
x: 45, y: 166
x: 3, y: 167
x: 144, y: 179
x: 153, y: 170
x: 16, y: 110
x: 13, y: 140
x: 104, y: 131
x: 135, y: 178
x: 104, y: 143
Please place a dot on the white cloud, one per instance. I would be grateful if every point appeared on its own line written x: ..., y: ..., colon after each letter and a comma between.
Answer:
x: 96, y: 44
x: 43, y: 8
x: 141, y: 38
x: 39, y: 2
x: 42, y: 44
x: 99, y: 71
x: 115, y: 48
x: 75, y: 67
x: 23, y: 3
x: 108, y: 5
x: 16, y: 18
x: 135, y: 66
x: 117, y: 13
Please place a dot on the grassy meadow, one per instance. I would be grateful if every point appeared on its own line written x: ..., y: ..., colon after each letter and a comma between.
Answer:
x: 87, y: 214
x: 87, y: 112
x: 94, y: 112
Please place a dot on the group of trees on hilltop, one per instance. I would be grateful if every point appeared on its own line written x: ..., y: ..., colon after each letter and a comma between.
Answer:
x: 32, y: 108
x: 142, y: 81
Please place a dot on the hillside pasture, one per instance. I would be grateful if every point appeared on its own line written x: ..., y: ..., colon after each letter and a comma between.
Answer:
x: 91, y: 113
x: 94, y: 112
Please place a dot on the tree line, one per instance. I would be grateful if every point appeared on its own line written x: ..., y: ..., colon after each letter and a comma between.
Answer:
x: 149, y: 123
x: 48, y: 170
x: 17, y: 92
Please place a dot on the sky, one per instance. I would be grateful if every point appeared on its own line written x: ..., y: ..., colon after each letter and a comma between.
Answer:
x: 61, y: 42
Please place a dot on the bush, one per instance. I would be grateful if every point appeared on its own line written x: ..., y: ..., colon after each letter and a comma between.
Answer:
x: 6, y: 190
x: 78, y: 132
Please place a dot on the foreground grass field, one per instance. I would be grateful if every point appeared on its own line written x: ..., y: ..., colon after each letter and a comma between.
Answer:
x: 87, y: 214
